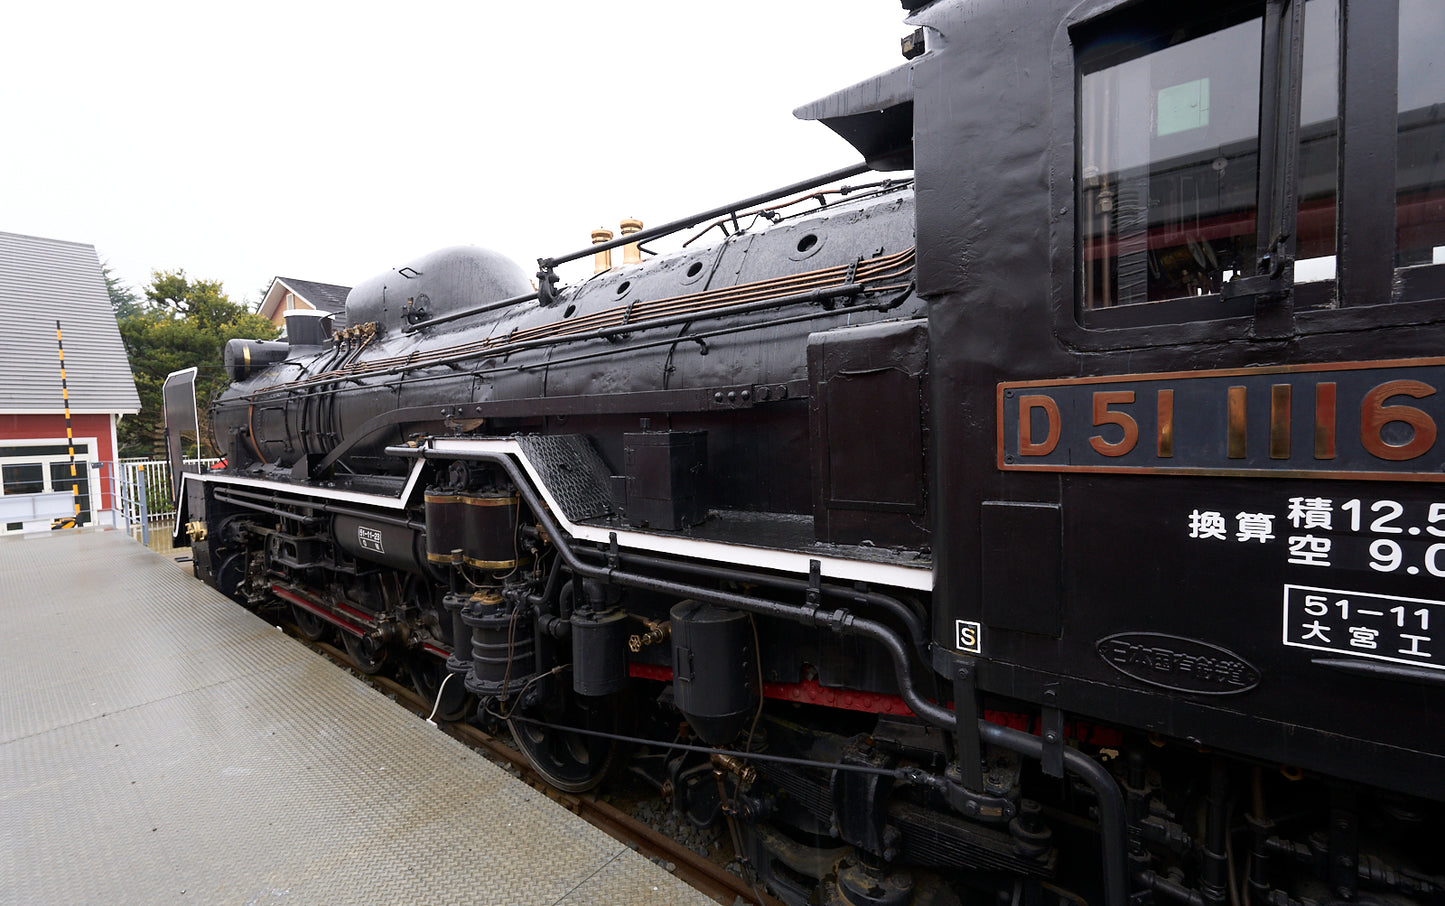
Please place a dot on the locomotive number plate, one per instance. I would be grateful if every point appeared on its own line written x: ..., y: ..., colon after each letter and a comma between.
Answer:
x: 370, y: 539
x: 1362, y: 624
x: 1374, y: 420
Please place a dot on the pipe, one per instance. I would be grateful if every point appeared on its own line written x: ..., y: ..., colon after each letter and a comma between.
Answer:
x: 884, y: 305
x: 704, y: 305
x: 903, y: 775
x: 687, y: 317
x: 227, y: 497
x: 231, y: 496
x: 468, y: 312
x: 688, y: 222
x: 892, y: 605
x: 1175, y: 891
x: 1112, y: 825
x: 1214, y: 877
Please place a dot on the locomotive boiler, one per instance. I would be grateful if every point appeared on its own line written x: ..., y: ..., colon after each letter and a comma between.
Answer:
x: 1056, y: 520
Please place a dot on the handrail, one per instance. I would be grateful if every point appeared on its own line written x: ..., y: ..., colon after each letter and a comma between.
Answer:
x: 692, y: 221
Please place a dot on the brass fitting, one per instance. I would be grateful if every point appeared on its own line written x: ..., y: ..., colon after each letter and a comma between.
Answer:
x: 745, y: 773
x: 656, y: 632
x: 602, y: 260
x: 631, y: 253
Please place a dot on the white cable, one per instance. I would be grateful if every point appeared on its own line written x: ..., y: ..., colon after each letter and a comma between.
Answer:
x: 436, y: 707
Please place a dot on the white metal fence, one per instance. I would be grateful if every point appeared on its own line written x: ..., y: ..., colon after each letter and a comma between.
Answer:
x: 142, y: 489
x: 134, y: 493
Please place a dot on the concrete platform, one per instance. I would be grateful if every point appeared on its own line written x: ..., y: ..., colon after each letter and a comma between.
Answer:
x: 159, y: 744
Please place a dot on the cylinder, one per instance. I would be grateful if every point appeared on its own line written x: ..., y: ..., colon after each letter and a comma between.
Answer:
x: 602, y: 260
x: 490, y: 534
x: 243, y: 358
x: 631, y: 253
x: 503, y: 647
x: 445, y: 525
x: 599, y: 652
x: 391, y: 545
x: 460, y: 661
x: 714, y: 669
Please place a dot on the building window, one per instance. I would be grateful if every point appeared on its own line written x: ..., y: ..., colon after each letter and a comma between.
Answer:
x: 35, y: 468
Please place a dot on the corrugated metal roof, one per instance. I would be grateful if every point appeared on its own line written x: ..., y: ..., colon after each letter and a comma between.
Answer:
x: 47, y: 280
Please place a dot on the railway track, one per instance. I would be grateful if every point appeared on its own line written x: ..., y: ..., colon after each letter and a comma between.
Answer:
x: 696, y: 870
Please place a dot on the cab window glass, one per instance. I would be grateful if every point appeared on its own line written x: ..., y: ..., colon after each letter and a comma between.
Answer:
x: 1319, y: 143
x: 1420, y: 139
x: 1168, y: 157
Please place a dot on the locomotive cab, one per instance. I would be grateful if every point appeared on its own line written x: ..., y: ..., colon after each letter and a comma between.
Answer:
x: 1203, y: 330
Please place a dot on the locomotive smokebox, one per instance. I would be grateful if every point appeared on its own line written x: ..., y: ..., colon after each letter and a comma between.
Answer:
x: 714, y: 669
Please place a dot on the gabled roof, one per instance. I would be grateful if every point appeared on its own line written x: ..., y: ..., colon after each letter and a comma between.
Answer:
x: 47, y: 280
x: 321, y: 296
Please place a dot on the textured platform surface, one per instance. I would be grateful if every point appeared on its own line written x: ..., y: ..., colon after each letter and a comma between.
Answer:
x: 159, y: 744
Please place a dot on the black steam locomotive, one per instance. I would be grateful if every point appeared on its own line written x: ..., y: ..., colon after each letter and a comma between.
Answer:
x: 1061, y: 523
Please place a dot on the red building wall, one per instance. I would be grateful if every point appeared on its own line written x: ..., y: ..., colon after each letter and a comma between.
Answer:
x: 47, y: 427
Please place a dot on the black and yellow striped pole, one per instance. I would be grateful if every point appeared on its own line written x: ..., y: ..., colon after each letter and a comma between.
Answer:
x: 69, y: 435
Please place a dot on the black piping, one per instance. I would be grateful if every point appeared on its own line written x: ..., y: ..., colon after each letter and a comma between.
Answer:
x: 1112, y: 824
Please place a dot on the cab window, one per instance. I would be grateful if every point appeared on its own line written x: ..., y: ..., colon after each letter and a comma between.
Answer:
x: 1211, y: 172
x: 1169, y: 158
x: 1420, y: 136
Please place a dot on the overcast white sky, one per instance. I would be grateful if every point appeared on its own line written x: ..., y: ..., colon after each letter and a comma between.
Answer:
x: 334, y: 141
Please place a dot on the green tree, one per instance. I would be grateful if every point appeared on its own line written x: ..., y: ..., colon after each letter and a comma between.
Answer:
x: 182, y: 323
x: 123, y: 300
